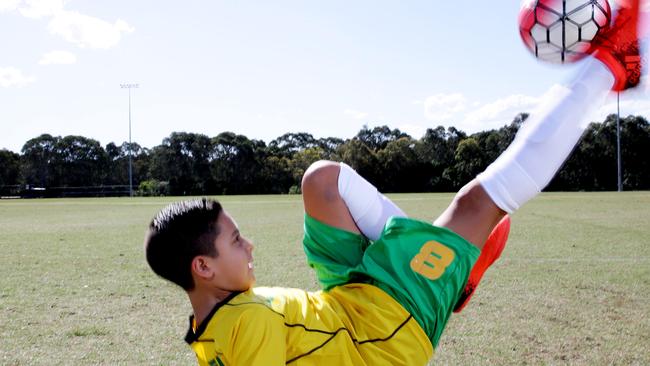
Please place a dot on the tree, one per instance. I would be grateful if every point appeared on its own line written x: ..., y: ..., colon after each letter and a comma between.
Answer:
x: 468, y: 162
x: 399, y: 166
x: 235, y: 162
x: 360, y: 157
x: 117, y: 163
x: 495, y: 142
x: 302, y: 160
x: 275, y: 175
x: 442, y: 160
x: 329, y: 146
x: 289, y: 143
x: 9, y: 168
x: 434, y: 156
x: 377, y: 138
x: 38, y: 156
x: 436, y: 151
x: 635, y: 151
x: 584, y: 168
x: 183, y: 160
x: 79, y: 161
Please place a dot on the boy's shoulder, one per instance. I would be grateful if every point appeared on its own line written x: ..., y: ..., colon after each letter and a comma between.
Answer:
x: 245, y: 318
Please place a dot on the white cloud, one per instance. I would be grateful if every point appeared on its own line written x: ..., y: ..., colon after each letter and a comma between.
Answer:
x: 498, y: 113
x: 635, y: 107
x: 37, y: 9
x: 87, y: 31
x: 355, y: 114
x: 80, y: 29
x: 473, y: 116
x: 58, y: 58
x: 502, y: 111
x: 10, y: 76
x: 444, y: 106
x: 632, y: 102
x: 9, y: 5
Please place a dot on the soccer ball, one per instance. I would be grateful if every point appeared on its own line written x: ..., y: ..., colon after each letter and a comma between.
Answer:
x: 561, y: 31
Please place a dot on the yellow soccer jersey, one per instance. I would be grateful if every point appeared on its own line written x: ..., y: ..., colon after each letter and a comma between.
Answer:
x: 354, y: 324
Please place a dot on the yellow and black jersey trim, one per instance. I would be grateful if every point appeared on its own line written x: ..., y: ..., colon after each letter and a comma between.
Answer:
x: 192, y: 334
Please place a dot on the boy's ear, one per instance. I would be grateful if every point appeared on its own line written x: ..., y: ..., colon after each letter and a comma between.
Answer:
x: 201, y: 267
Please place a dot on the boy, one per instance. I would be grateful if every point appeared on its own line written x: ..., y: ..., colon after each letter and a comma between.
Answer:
x: 389, y: 282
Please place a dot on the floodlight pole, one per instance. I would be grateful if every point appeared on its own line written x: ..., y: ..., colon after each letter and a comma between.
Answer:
x: 618, y: 142
x: 130, y: 86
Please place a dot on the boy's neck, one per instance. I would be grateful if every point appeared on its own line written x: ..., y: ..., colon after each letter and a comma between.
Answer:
x: 204, y: 301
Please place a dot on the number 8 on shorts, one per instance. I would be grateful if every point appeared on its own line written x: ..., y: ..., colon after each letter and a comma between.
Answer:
x: 432, y: 260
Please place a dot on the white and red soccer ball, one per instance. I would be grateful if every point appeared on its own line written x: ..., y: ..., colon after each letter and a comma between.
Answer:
x: 561, y: 31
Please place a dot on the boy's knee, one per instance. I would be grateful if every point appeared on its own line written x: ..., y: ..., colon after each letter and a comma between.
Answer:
x: 470, y: 197
x: 472, y: 214
x: 321, y: 176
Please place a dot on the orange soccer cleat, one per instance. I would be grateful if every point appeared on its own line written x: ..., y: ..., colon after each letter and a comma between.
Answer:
x: 618, y: 47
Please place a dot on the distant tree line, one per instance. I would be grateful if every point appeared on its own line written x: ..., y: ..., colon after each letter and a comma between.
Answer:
x: 196, y: 164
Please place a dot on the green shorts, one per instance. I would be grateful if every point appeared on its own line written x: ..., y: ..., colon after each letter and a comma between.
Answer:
x: 423, y: 267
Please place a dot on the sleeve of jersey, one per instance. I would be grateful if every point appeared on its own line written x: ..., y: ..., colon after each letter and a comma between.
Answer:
x: 258, y: 338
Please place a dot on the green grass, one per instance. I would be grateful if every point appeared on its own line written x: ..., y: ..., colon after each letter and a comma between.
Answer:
x: 572, y: 287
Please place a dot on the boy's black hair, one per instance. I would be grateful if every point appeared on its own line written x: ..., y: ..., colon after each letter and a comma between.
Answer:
x: 177, y: 234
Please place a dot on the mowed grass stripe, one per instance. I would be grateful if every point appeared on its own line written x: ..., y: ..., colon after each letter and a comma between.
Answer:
x: 572, y: 288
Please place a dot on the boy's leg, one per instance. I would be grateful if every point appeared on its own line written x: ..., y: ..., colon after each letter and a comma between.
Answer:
x: 370, y: 210
x: 490, y: 252
x: 337, y: 213
x: 321, y: 198
x: 544, y: 141
x: 472, y: 214
x: 336, y: 195
x: 332, y: 242
x: 549, y: 135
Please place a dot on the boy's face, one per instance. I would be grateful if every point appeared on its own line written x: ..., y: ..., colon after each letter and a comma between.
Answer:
x: 233, y: 266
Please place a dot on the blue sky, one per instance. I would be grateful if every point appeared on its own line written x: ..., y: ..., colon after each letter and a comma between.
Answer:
x: 263, y: 68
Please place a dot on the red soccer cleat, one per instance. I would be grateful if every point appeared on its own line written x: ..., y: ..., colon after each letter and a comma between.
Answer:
x: 618, y: 47
x: 489, y: 254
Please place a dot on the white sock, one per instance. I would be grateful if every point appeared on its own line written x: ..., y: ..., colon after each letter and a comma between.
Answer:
x: 546, y: 138
x: 369, y: 208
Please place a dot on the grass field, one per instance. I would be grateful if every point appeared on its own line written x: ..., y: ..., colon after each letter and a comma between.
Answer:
x: 572, y: 287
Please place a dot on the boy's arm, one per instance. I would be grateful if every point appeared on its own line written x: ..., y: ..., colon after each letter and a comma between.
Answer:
x: 257, y: 339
